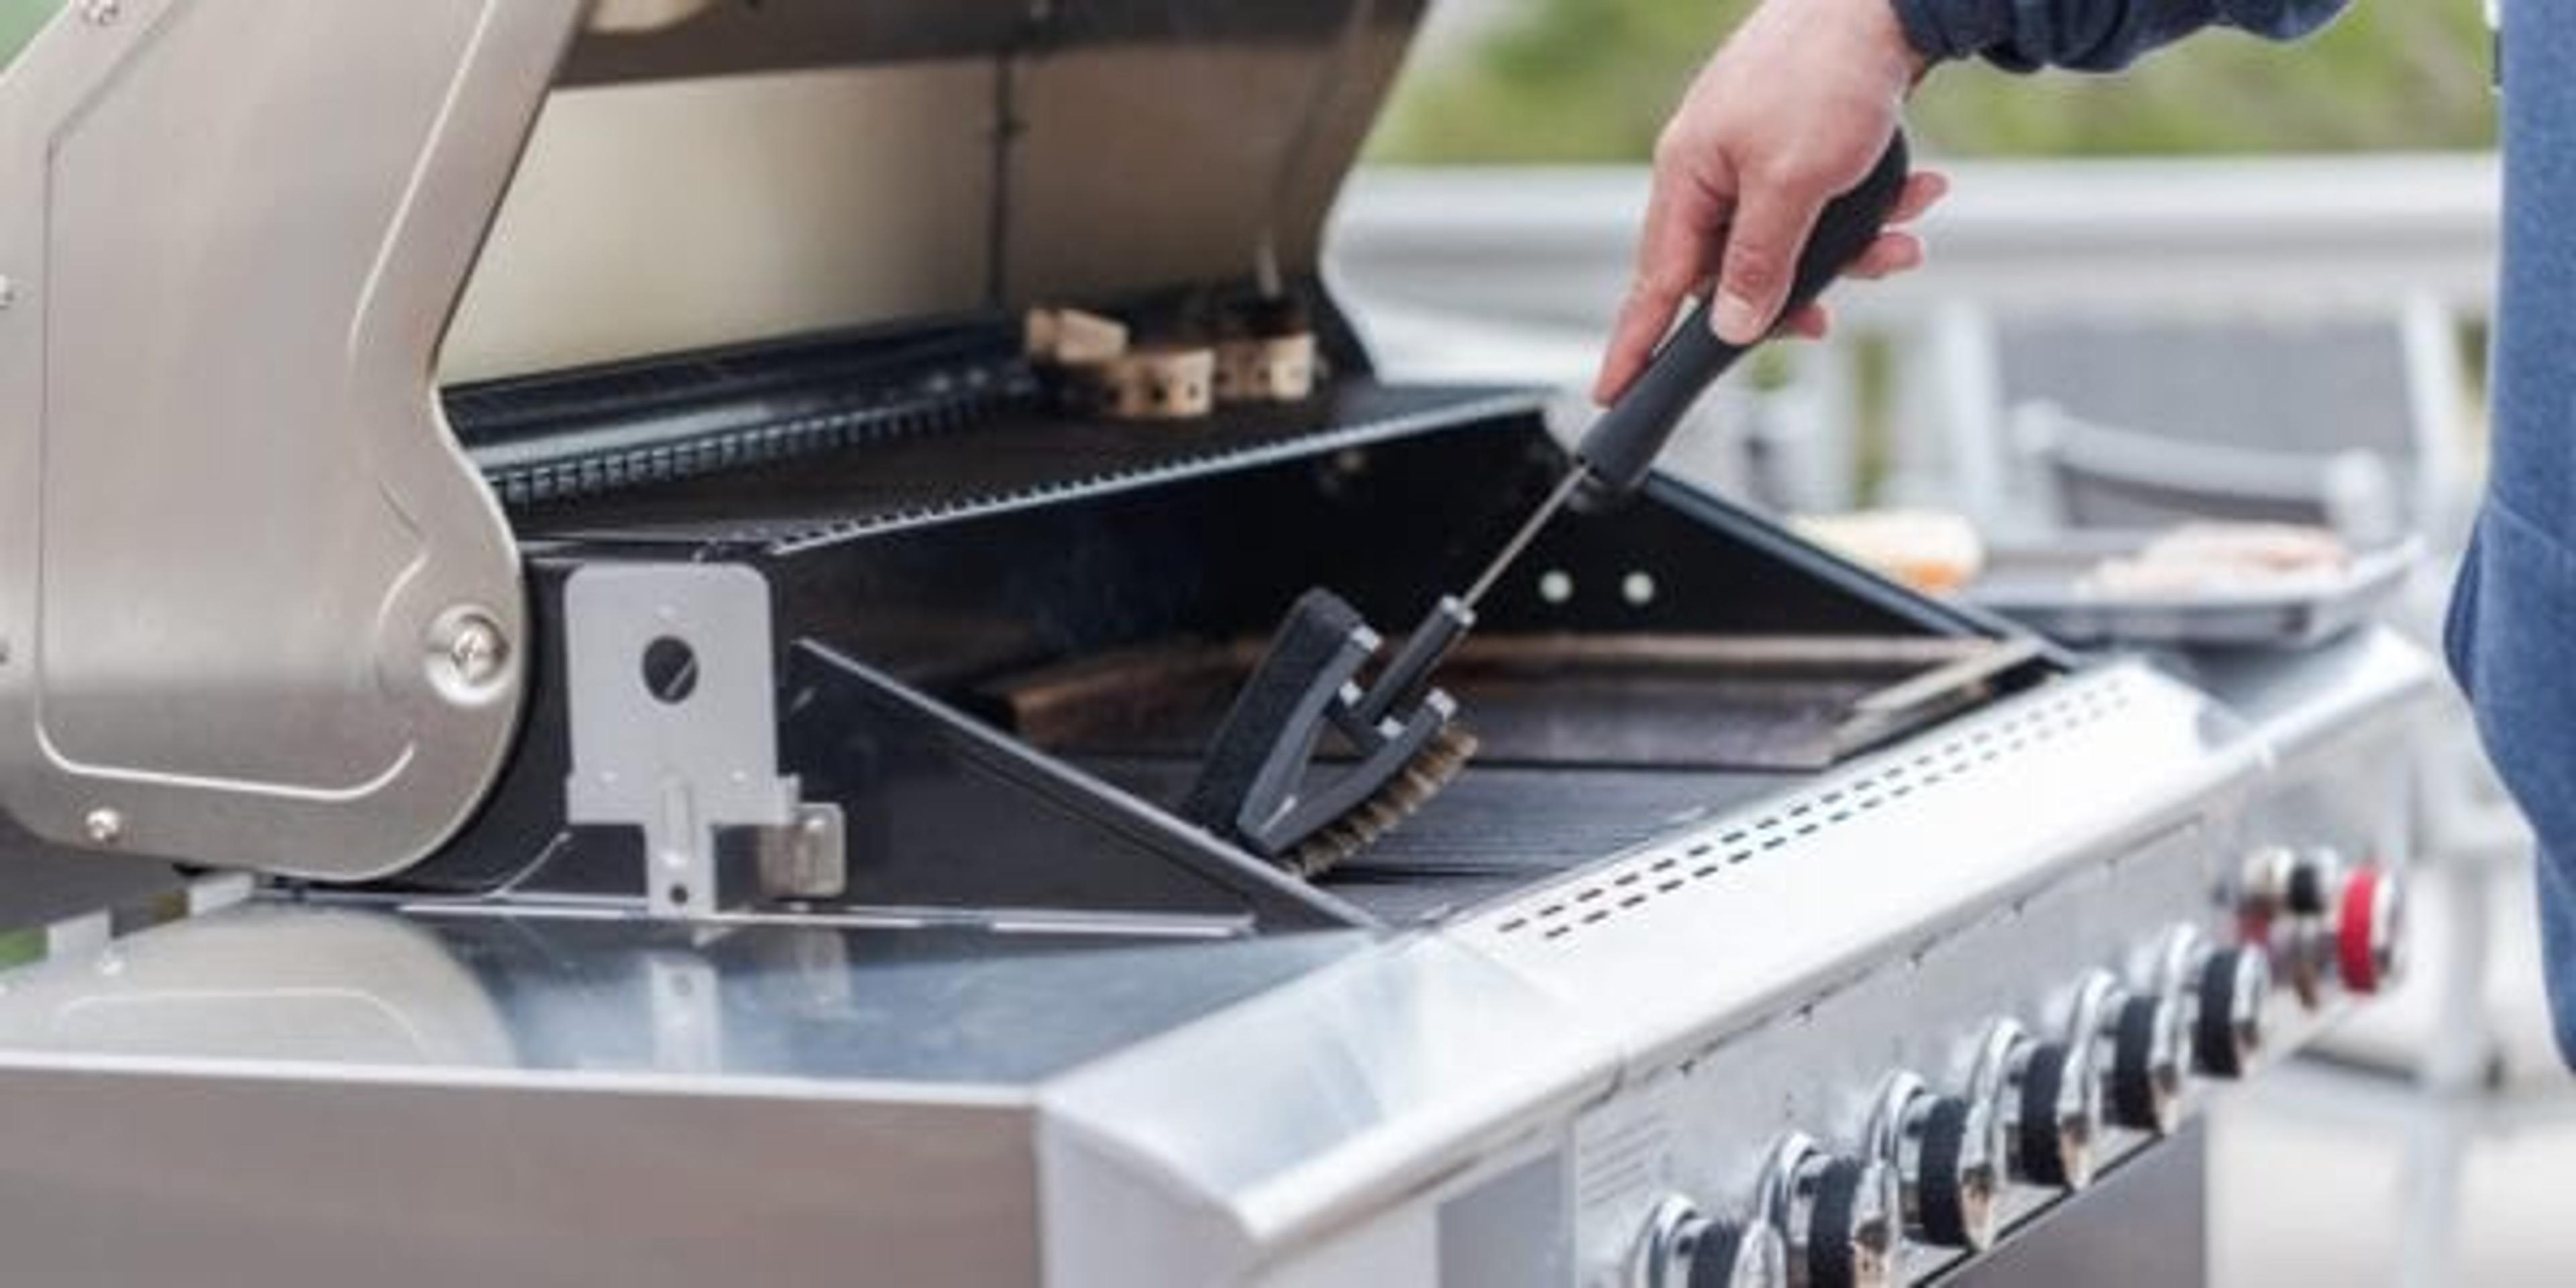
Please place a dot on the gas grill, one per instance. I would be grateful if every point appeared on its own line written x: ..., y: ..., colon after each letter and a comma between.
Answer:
x: 691, y: 790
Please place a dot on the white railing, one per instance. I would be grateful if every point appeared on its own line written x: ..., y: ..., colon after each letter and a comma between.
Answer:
x: 1537, y: 257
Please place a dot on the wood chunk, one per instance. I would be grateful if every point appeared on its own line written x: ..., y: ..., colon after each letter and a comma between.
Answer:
x: 1073, y: 338
x: 1266, y: 369
x: 1173, y: 383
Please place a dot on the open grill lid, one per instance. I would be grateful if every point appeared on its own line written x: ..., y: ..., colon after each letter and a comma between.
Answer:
x: 711, y: 173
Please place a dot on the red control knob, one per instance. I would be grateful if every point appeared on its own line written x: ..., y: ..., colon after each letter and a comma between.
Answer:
x: 2366, y: 930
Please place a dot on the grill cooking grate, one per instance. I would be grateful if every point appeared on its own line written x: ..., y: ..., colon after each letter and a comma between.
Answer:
x: 1499, y: 828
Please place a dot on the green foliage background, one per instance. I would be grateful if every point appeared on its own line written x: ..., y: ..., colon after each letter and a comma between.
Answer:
x: 19, y: 20
x: 1591, y: 80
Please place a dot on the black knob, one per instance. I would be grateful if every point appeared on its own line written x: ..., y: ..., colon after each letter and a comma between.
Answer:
x: 1851, y: 1239
x: 1622, y: 445
x: 2311, y: 889
x: 1955, y: 1192
x: 2044, y: 1132
x: 1729, y: 1255
x: 2148, y: 1065
x: 2229, y: 1031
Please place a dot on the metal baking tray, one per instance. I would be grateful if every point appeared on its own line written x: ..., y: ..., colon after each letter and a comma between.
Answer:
x: 2042, y: 587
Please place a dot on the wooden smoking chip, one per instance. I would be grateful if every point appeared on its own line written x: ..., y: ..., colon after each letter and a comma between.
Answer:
x: 1266, y: 369
x: 1073, y: 338
x: 1152, y: 384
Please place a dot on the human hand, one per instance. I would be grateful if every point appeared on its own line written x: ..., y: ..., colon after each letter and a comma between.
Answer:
x: 1792, y: 112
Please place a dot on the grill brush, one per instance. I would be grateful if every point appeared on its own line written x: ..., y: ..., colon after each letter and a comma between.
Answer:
x: 1260, y: 785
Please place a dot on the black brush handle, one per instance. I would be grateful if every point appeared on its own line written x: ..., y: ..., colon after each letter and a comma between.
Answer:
x: 1623, y: 444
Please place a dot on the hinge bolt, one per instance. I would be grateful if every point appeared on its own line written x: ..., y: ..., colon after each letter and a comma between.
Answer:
x: 105, y: 826
x: 469, y: 655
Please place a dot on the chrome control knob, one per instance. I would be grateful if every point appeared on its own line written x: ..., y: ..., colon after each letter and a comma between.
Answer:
x: 1948, y: 1154
x: 2369, y: 921
x: 1842, y: 1218
x: 2227, y: 1034
x: 2312, y: 882
x: 1726, y: 1254
x: 2279, y: 881
x: 2058, y: 1117
x: 1960, y: 1186
x: 1659, y: 1260
x: 1684, y: 1248
x: 2059, y: 1113
x: 2151, y: 1062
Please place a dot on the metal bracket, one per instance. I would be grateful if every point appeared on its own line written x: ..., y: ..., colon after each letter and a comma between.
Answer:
x: 674, y: 724
x: 808, y: 858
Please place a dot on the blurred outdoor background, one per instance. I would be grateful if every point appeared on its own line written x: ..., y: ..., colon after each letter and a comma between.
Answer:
x: 1557, y: 81
x: 19, y: 20
x: 2242, y: 280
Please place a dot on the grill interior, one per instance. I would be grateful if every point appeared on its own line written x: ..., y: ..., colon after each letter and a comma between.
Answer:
x: 1501, y: 827
x: 1093, y: 594
x: 1591, y: 745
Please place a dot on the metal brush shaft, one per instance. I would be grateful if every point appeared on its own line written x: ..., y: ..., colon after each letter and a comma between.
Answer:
x: 1611, y: 461
x: 1573, y: 483
x: 1408, y: 676
x: 1622, y: 445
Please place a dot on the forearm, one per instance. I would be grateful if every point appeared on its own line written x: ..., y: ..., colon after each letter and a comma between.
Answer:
x: 2091, y: 35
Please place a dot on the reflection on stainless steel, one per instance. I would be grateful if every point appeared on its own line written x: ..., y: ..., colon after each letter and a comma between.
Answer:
x: 265, y: 983
x: 379, y: 989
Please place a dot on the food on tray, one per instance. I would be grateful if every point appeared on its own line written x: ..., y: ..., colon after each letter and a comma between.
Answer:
x: 1932, y: 551
x: 2218, y: 558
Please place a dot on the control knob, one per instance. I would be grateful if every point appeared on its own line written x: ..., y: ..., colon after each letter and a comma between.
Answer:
x: 1685, y: 1248
x: 2058, y: 1108
x: 1729, y: 1255
x: 2228, y: 1031
x: 2280, y: 881
x: 1948, y: 1154
x: 2151, y: 1061
x: 1840, y: 1217
x: 2368, y: 924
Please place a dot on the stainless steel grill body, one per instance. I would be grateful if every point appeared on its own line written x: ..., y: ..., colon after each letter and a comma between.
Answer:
x: 1077, y: 1101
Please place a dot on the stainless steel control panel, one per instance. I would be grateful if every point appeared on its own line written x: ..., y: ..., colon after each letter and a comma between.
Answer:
x: 1901, y: 1120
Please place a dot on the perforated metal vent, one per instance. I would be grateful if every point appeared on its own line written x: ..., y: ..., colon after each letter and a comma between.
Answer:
x: 1627, y: 884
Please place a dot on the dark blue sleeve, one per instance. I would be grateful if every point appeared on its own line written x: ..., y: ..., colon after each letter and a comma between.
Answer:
x: 2512, y: 638
x: 2091, y: 35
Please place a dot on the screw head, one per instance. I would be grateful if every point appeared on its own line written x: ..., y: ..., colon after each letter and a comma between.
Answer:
x: 475, y: 652
x: 8, y: 290
x: 469, y: 655
x: 104, y: 826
